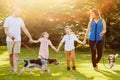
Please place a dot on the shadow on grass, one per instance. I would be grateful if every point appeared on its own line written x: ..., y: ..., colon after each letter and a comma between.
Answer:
x: 57, y: 73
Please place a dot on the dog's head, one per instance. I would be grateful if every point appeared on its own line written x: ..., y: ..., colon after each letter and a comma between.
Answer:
x: 53, y: 61
x: 112, y: 57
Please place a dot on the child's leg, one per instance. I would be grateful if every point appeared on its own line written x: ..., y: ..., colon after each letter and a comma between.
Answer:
x: 67, y: 58
x: 73, y: 57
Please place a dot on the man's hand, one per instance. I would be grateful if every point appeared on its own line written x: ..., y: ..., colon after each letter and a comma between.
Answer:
x: 31, y: 40
x: 12, y: 37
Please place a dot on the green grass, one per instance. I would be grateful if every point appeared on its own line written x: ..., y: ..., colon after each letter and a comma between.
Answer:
x: 83, y: 62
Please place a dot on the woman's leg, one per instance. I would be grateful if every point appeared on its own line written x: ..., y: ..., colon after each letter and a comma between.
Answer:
x: 73, y: 59
x: 68, y: 59
x: 93, y: 52
x: 99, y: 50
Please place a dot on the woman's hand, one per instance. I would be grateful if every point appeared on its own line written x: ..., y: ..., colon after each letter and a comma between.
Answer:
x: 102, y: 34
x: 84, y: 41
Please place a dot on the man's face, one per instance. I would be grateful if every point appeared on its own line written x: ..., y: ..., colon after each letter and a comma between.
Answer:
x: 17, y: 12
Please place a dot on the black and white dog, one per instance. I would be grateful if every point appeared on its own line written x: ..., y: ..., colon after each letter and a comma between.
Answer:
x: 112, y: 61
x: 38, y: 63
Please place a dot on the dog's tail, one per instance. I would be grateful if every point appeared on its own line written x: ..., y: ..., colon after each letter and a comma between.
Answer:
x: 22, y: 60
x: 116, y: 55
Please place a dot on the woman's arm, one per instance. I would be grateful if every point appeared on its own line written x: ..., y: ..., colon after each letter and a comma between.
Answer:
x: 104, y: 28
x: 87, y: 32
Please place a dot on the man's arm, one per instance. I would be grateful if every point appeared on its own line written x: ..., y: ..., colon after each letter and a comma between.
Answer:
x: 25, y: 30
x: 8, y: 34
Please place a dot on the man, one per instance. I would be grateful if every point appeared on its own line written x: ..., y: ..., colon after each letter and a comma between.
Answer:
x: 12, y: 27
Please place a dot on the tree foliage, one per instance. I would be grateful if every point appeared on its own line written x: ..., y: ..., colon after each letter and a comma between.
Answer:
x: 53, y: 15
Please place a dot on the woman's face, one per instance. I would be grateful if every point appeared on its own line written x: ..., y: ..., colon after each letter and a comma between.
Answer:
x: 92, y: 14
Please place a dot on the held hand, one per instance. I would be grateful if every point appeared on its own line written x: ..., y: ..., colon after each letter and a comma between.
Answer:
x: 84, y: 41
x: 31, y: 40
x: 57, y: 50
x: 13, y: 38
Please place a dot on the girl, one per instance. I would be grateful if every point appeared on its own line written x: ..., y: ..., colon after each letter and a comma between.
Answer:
x: 69, y: 39
x: 45, y: 42
x: 97, y: 28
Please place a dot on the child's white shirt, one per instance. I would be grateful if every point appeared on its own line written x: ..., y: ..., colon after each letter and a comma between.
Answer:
x: 69, y: 41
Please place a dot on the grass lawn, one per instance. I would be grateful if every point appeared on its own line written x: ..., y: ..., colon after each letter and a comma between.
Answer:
x: 58, y: 72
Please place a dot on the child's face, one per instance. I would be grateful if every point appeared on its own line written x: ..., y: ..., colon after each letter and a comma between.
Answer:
x: 46, y: 35
x: 67, y: 31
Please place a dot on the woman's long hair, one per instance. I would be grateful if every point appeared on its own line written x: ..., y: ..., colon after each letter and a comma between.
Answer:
x: 96, y: 12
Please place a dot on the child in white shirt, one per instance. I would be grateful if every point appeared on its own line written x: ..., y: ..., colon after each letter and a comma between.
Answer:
x: 69, y: 40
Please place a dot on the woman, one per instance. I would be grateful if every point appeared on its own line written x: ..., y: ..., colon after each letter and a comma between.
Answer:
x: 97, y: 29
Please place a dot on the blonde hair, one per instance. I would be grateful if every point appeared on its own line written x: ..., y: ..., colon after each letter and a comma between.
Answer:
x: 96, y: 12
x: 68, y: 27
x: 44, y: 33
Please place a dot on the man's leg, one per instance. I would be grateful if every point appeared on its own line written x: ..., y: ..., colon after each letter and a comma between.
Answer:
x: 11, y: 62
x: 10, y: 47
x: 17, y: 46
x: 15, y: 62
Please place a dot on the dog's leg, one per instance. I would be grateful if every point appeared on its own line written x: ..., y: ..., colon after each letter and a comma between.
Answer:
x: 111, y: 65
x: 31, y: 69
x: 114, y: 66
x: 48, y: 70
x: 23, y: 69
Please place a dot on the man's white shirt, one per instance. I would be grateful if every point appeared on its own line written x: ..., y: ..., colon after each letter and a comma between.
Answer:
x: 14, y: 27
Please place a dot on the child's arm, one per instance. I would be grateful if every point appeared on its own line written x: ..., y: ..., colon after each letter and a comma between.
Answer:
x: 51, y: 45
x: 79, y: 41
x: 54, y: 48
x: 76, y: 39
x: 59, y: 45
x: 36, y: 41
